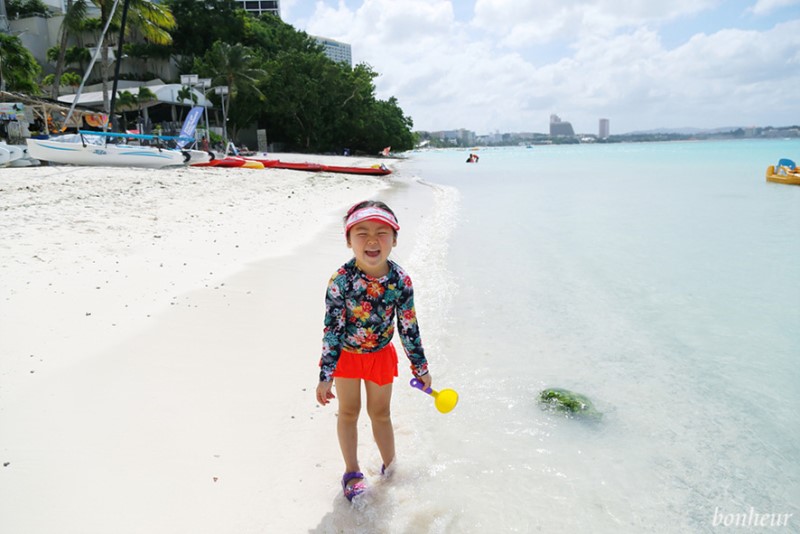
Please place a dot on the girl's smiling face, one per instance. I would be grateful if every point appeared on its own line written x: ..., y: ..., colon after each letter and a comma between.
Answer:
x: 372, y: 242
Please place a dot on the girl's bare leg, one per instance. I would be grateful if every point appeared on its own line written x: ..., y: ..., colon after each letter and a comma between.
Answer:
x: 348, y: 391
x: 379, y: 400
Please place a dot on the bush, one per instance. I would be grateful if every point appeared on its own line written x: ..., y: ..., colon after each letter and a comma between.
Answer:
x: 20, y: 9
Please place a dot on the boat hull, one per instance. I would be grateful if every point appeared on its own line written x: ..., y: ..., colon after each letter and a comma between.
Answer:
x: 791, y: 178
x: 72, y: 153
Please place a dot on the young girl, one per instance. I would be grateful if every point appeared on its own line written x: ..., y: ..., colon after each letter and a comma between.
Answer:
x: 362, y: 300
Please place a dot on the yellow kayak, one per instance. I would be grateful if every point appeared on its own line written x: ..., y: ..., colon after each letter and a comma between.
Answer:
x: 253, y: 165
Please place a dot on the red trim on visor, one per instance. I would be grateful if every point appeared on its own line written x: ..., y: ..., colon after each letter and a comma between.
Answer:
x: 371, y: 213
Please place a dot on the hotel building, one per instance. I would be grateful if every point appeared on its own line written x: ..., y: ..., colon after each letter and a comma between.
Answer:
x: 259, y: 7
x: 336, y: 50
x: 604, y: 129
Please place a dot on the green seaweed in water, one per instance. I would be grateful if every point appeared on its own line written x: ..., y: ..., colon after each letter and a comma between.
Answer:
x: 569, y: 402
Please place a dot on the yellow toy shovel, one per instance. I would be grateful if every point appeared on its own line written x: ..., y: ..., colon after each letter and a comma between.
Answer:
x: 445, y: 400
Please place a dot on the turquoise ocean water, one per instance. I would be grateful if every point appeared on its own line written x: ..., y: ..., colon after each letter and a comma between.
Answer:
x: 662, y: 280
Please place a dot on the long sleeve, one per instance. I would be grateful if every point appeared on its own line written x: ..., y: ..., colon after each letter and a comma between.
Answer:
x: 334, y: 332
x: 408, y: 328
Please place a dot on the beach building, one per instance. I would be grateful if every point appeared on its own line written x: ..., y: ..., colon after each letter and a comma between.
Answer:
x: 259, y: 7
x: 336, y: 50
x: 604, y: 129
x: 560, y: 128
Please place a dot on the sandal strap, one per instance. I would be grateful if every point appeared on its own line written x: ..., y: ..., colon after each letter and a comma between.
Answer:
x: 350, y: 476
x: 356, y: 489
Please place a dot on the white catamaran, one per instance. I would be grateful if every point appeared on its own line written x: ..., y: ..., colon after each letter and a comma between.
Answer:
x: 94, y: 148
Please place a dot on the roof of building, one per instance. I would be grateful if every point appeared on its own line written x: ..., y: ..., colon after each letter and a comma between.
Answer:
x: 165, y: 93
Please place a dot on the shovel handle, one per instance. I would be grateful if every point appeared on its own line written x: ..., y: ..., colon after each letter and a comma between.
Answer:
x: 415, y: 383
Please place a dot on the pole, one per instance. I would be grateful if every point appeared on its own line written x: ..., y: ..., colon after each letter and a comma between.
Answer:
x: 205, y: 109
x: 119, y: 62
x: 225, y: 120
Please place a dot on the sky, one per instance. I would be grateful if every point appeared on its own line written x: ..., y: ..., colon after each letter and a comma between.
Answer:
x: 507, y: 65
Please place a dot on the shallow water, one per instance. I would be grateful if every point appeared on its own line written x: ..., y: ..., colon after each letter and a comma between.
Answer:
x: 658, y: 279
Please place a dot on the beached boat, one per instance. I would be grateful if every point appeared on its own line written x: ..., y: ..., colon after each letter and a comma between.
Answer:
x: 92, y: 149
x: 15, y: 153
x: 785, y: 172
x: 15, y: 156
x: 198, y: 157
x: 278, y: 164
x: 377, y: 170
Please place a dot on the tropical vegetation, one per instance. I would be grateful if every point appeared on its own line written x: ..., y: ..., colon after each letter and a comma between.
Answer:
x: 279, y: 79
x: 19, y: 70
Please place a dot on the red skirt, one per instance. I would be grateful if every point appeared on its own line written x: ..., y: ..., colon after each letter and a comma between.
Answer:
x: 379, y: 366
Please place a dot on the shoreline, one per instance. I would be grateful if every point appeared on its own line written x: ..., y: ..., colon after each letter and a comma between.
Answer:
x: 185, y: 394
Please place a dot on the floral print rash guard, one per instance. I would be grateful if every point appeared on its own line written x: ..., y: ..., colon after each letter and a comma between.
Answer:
x: 359, y: 315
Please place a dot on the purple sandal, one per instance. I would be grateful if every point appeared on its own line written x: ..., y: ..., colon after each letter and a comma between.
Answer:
x: 356, y: 489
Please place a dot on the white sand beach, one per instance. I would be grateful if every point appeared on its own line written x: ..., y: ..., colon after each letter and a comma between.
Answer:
x: 160, y: 335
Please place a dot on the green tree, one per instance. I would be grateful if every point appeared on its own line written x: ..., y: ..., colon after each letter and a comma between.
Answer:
x: 146, y: 19
x: 72, y: 79
x: 186, y: 95
x: 20, y: 9
x: 270, y: 36
x: 144, y: 97
x: 236, y: 67
x: 19, y: 70
x: 126, y: 101
x: 200, y: 23
x: 296, y: 98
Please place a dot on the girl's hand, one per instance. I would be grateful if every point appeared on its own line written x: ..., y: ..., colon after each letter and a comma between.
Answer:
x: 324, y: 394
x: 426, y: 381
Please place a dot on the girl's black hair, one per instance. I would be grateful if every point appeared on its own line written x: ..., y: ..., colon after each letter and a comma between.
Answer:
x: 369, y: 204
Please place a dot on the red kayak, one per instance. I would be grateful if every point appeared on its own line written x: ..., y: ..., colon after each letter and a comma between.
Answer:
x: 377, y: 170
x: 278, y: 164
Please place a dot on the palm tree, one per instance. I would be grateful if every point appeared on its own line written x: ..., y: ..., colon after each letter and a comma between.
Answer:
x: 149, y: 20
x: 73, y: 17
x: 235, y: 67
x: 145, y: 95
x: 19, y: 70
x: 125, y: 102
x: 184, y: 95
x: 72, y: 79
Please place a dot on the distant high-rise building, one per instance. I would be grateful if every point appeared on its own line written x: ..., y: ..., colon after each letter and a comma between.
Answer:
x: 560, y: 128
x: 604, y: 129
x: 259, y: 7
x: 336, y: 50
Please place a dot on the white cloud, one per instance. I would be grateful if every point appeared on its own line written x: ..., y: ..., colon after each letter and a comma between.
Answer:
x: 763, y: 7
x: 522, y: 22
x: 451, y: 74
